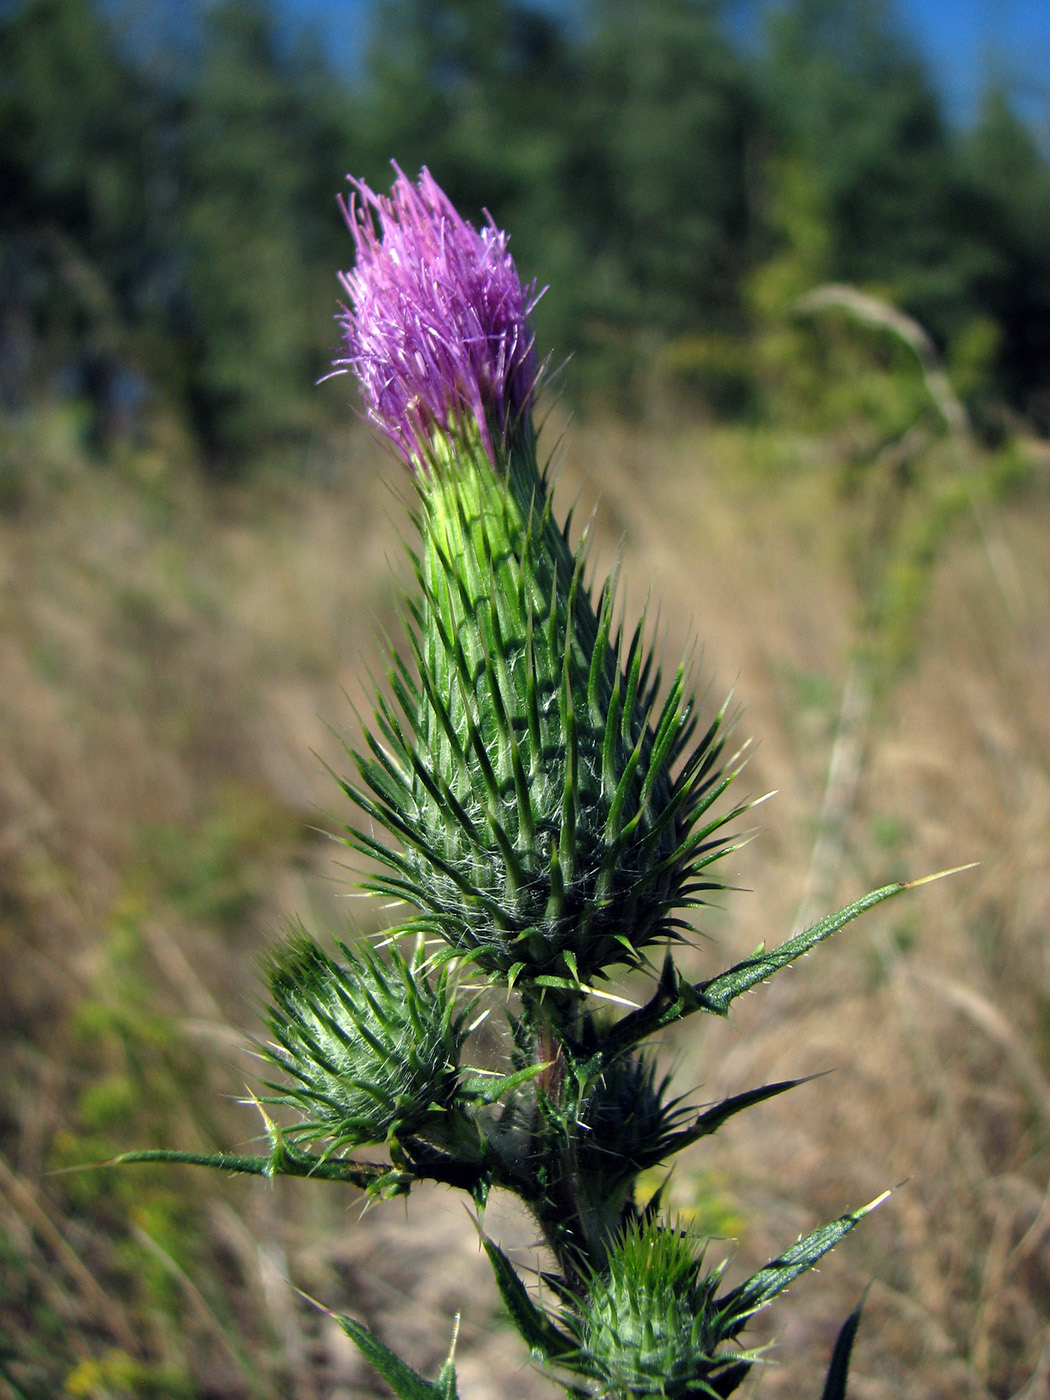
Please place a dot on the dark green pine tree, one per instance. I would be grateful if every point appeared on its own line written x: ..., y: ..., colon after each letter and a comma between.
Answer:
x: 76, y: 230
x: 1008, y: 180
x: 265, y: 129
x: 663, y: 215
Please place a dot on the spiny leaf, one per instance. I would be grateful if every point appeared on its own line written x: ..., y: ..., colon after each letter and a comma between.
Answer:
x: 717, y: 994
x: 760, y: 1290
x: 543, y: 1339
x: 838, y: 1371
x: 675, y: 998
x: 399, y: 1376
x: 709, y: 1122
x: 365, y: 1175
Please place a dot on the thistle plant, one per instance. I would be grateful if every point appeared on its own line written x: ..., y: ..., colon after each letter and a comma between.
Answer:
x: 547, y: 807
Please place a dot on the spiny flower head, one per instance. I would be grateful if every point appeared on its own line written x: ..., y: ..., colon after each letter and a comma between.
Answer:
x: 370, y: 1049
x: 549, y: 805
x: 627, y: 1122
x: 437, y: 329
x: 648, y: 1326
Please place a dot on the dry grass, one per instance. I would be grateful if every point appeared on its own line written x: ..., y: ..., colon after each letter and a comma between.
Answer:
x: 170, y: 659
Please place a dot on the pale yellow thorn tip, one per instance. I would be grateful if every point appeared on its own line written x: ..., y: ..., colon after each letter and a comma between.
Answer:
x: 268, y: 1122
x: 874, y: 1205
x: 940, y: 875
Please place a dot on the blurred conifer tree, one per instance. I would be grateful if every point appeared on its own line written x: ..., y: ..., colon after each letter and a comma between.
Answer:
x: 1010, y: 215
x: 851, y: 100
x: 169, y: 223
x: 666, y: 117
x: 262, y: 136
x: 74, y: 225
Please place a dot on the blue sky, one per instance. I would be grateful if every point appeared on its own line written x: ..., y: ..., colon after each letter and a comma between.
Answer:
x: 964, y: 39
x: 968, y: 39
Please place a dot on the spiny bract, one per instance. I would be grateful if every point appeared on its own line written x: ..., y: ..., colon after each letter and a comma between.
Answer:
x: 549, y: 804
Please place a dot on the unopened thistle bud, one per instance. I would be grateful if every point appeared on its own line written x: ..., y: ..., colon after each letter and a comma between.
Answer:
x: 370, y: 1049
x: 653, y: 1325
x: 648, y: 1326
x: 546, y: 796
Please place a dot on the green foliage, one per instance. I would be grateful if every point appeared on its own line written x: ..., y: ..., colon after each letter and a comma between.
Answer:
x: 250, y: 237
x: 905, y: 449
x: 870, y: 135
x: 1008, y: 185
x: 75, y: 229
x: 659, y: 197
x: 871, y: 187
x: 403, y: 1381
x: 149, y: 205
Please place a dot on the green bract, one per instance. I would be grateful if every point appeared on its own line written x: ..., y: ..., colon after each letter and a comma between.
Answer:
x: 627, y: 1123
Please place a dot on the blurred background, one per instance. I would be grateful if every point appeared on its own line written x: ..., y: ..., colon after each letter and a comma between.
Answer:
x: 798, y: 319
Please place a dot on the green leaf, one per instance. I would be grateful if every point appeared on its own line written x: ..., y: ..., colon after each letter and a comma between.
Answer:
x: 838, y: 1371
x: 540, y: 1335
x: 760, y: 1290
x: 399, y: 1376
x: 710, y: 1122
x: 717, y: 994
x: 484, y: 1089
x: 289, y: 1162
x: 675, y: 998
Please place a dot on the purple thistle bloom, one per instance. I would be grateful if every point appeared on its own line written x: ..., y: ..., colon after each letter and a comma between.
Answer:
x: 437, y: 330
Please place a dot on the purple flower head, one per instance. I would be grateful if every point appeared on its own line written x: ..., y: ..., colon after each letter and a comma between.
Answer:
x: 437, y: 329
